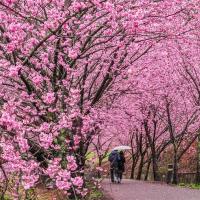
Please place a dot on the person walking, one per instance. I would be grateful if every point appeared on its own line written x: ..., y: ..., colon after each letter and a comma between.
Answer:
x: 121, y: 166
x: 114, y: 162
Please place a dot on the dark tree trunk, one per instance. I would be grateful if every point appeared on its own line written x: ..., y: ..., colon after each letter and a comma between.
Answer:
x: 152, y: 143
x: 140, y: 169
x: 198, y: 161
x: 2, y: 195
x: 134, y: 163
x: 175, y: 169
x: 100, y: 164
x: 155, y: 168
x: 147, y: 170
x: 172, y: 137
x: 132, y: 170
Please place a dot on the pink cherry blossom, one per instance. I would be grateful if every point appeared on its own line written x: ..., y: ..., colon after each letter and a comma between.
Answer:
x: 49, y: 98
x: 77, y: 181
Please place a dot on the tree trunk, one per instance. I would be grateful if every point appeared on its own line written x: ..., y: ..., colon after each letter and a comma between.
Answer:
x: 155, y: 168
x: 133, y: 167
x: 198, y: 160
x: 2, y: 195
x: 140, y: 168
x: 132, y: 170
x: 100, y: 164
x: 175, y: 169
x: 147, y: 170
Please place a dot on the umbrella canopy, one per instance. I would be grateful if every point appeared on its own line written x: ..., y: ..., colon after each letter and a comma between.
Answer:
x: 122, y: 148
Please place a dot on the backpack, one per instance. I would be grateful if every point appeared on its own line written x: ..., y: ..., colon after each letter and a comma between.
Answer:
x: 113, y: 158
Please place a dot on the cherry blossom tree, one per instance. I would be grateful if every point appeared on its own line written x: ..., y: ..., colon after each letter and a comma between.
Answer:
x: 190, y: 73
x: 163, y: 103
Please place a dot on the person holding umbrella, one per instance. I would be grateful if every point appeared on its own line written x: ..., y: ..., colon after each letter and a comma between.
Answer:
x: 117, y: 162
x: 121, y: 166
x: 114, y: 160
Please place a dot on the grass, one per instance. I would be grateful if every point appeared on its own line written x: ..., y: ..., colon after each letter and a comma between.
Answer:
x: 90, y: 155
x: 191, y: 185
x: 96, y: 195
x: 6, y: 197
x: 94, y: 192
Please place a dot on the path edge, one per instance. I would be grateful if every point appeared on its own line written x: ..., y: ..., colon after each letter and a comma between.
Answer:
x: 106, y: 195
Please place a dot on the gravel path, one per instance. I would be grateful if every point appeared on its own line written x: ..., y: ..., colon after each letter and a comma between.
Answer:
x: 136, y: 190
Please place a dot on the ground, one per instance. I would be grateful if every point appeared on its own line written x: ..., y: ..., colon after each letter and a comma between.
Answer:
x: 136, y: 190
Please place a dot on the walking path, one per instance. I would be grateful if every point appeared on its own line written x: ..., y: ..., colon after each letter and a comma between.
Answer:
x: 136, y: 190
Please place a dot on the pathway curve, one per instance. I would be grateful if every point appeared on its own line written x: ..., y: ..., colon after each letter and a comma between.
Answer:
x: 136, y: 190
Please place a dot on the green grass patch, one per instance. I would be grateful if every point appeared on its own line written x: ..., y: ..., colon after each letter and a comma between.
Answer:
x: 6, y: 197
x: 191, y: 185
x: 90, y: 155
x: 94, y: 192
x: 96, y: 195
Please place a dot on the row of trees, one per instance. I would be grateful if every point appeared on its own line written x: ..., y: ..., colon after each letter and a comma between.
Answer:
x: 163, y: 116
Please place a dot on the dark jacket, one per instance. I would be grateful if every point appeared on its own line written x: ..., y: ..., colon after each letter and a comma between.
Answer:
x: 114, y: 159
x: 121, y: 163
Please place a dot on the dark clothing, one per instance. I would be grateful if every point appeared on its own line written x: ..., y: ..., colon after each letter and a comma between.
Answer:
x: 121, y: 163
x: 112, y: 174
x: 114, y: 160
x: 121, y: 166
x: 120, y: 174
